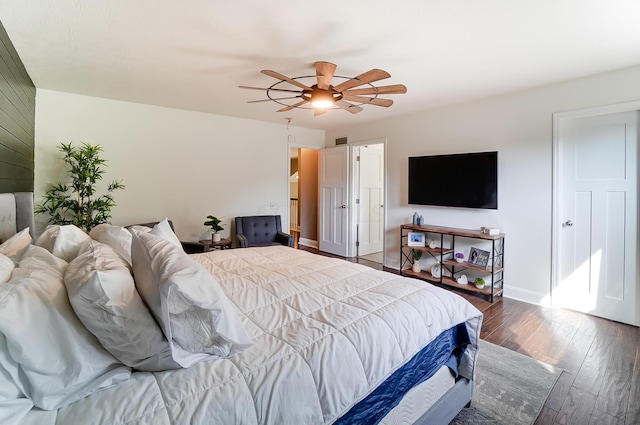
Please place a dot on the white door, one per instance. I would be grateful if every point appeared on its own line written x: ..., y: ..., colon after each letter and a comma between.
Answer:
x: 334, y: 197
x: 598, y: 233
x: 370, y: 199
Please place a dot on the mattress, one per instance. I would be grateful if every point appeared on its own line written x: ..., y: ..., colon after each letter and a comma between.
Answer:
x: 326, y: 333
x: 420, y: 398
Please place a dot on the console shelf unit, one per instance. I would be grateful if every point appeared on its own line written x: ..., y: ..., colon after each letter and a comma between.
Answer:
x: 445, y: 257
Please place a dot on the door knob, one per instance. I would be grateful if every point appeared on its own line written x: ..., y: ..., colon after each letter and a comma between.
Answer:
x: 343, y: 206
x: 568, y: 223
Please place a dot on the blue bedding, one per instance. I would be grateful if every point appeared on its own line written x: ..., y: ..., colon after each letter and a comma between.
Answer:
x: 446, y: 349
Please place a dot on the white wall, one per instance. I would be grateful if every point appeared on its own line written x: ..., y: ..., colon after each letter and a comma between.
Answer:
x: 519, y: 126
x: 180, y: 164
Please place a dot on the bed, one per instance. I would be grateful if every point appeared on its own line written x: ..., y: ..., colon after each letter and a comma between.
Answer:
x: 331, y: 342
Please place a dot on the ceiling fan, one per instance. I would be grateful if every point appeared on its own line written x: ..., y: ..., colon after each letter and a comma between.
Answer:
x: 324, y: 96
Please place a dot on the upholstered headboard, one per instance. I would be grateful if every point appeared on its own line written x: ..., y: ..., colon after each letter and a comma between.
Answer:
x: 16, y: 213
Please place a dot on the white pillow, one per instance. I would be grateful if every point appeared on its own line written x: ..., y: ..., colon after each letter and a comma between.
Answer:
x: 143, y: 229
x: 16, y: 245
x: 117, y: 237
x: 38, y: 258
x: 52, y: 358
x: 63, y: 241
x: 6, y: 268
x: 163, y: 229
x: 186, y: 300
x: 103, y: 295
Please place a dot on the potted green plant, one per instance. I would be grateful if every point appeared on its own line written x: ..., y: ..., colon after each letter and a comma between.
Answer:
x: 76, y: 203
x: 417, y: 255
x: 215, y: 224
x: 479, y: 282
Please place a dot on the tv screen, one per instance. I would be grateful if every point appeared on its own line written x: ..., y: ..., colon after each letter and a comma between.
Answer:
x: 468, y: 180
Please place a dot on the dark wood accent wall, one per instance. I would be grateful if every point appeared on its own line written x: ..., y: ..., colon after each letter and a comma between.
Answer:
x: 17, y: 120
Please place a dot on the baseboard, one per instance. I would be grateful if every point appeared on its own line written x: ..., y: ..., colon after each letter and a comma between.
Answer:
x: 526, y: 296
x: 308, y: 242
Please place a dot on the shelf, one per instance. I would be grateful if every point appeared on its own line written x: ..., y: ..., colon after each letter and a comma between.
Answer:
x: 468, y: 266
x: 452, y: 231
x: 450, y: 282
x: 427, y: 249
x: 447, y: 236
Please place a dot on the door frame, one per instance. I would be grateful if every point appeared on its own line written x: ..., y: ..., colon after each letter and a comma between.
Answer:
x: 294, y: 145
x: 353, y: 183
x: 556, y: 161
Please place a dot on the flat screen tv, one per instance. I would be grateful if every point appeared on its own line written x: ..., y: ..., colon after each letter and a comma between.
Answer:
x: 468, y: 180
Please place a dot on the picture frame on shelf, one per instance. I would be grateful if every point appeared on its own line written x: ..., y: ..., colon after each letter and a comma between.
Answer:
x: 478, y: 257
x: 415, y: 239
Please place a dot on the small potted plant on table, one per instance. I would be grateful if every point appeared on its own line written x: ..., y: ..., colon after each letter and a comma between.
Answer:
x: 416, y: 254
x: 215, y: 224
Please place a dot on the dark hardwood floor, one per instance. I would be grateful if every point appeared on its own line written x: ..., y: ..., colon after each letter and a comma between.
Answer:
x: 600, y: 359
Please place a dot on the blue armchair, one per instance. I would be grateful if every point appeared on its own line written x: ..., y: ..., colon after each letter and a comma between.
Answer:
x: 261, y: 230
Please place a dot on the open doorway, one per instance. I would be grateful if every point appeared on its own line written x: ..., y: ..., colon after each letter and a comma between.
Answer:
x: 294, y: 200
x: 368, y: 189
x: 303, y: 196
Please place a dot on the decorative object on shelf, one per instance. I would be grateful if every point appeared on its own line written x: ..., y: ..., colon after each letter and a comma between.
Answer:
x: 492, y: 231
x: 479, y: 257
x: 431, y: 243
x: 420, y: 220
x: 463, y: 280
x: 416, y: 254
x: 436, y: 271
x: 415, y: 239
x: 415, y: 218
x: 459, y: 257
x: 76, y: 203
x: 479, y: 282
x: 215, y: 224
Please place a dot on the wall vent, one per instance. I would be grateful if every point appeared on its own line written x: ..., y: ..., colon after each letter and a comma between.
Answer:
x: 341, y: 141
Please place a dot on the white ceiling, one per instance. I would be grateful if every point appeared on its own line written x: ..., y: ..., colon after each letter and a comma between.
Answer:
x: 194, y: 54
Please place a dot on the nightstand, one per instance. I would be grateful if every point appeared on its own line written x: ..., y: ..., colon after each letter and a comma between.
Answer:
x: 205, y: 246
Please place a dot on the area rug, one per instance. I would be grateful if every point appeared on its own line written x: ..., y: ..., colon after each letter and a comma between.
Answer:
x: 510, y: 388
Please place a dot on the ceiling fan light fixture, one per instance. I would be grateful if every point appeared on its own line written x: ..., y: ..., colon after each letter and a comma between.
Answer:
x: 322, y: 99
x: 322, y: 104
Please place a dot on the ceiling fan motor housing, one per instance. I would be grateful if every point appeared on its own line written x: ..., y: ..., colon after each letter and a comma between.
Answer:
x: 316, y: 94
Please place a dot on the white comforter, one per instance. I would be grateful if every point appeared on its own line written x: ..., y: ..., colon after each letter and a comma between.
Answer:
x: 325, y: 332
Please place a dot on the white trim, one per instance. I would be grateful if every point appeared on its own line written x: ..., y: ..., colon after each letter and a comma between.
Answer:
x: 351, y: 250
x: 308, y: 242
x: 526, y: 296
x: 556, y: 160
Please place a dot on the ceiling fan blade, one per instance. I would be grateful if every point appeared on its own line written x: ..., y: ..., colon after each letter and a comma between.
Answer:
x: 284, y: 78
x: 349, y: 106
x: 268, y: 89
x: 366, y: 78
x: 324, y: 72
x: 369, y: 100
x: 290, y: 107
x: 269, y: 100
x: 393, y: 89
x: 317, y: 112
